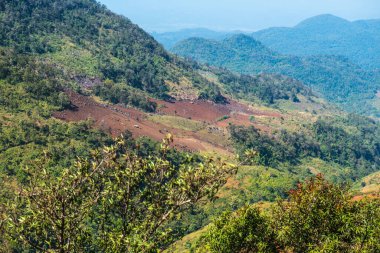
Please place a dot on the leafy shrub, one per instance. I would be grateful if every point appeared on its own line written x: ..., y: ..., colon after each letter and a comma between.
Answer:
x: 243, y: 231
x: 321, y: 217
x: 117, y: 201
x: 223, y: 118
x: 317, y: 217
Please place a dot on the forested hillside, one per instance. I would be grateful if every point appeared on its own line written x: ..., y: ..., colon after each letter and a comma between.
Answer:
x: 108, y: 143
x: 89, y: 42
x: 335, y: 77
x: 328, y: 35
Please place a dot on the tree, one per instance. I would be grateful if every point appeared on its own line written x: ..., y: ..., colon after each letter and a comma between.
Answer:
x: 321, y: 217
x: 246, y: 230
x: 317, y: 217
x: 116, y: 201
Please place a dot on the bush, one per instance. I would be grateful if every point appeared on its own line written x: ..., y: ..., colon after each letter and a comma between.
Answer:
x: 244, y: 231
x: 317, y: 217
x: 117, y: 201
x: 321, y: 217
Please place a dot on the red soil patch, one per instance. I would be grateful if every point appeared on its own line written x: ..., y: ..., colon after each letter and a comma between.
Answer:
x: 368, y: 196
x: 207, y: 111
x: 114, y: 119
x: 236, y: 119
x: 197, y: 110
x: 117, y: 119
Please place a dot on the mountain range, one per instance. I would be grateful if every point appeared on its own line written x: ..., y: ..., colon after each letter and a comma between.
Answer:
x: 320, y: 35
x: 335, y: 77
x: 110, y: 143
x: 328, y: 35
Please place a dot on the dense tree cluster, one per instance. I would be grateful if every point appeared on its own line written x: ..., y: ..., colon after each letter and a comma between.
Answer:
x: 119, y: 94
x: 116, y: 201
x: 40, y: 80
x: 317, y: 217
x: 327, y: 139
x: 262, y: 88
x: 114, y: 47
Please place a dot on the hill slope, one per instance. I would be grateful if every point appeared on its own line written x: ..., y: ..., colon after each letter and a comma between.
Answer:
x: 52, y: 50
x: 338, y: 79
x: 92, y: 43
x: 327, y: 34
x: 70, y: 71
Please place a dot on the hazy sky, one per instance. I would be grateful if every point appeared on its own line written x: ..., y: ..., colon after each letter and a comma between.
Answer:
x: 169, y: 15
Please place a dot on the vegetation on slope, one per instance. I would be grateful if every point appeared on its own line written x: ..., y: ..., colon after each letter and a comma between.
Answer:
x: 352, y: 142
x: 48, y: 47
x: 317, y: 217
x: 92, y: 43
x: 335, y: 77
x: 115, y: 201
x: 267, y: 88
x: 30, y: 91
x: 38, y: 156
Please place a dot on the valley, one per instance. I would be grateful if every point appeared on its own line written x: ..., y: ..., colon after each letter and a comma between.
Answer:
x: 110, y: 143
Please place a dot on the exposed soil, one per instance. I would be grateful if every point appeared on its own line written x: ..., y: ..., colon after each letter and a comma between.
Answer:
x: 207, y: 111
x: 116, y: 120
x: 366, y: 196
x: 113, y: 119
x: 196, y: 110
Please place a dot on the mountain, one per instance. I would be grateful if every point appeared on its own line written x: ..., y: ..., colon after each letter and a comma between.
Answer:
x: 73, y: 75
x: 109, y: 143
x: 90, y: 42
x: 336, y: 77
x: 169, y: 39
x: 328, y: 35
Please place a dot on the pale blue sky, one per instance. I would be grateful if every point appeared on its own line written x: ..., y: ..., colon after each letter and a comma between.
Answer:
x: 170, y: 15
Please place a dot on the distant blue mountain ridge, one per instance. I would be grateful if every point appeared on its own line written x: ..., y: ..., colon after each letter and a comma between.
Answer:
x: 326, y: 34
x: 336, y: 77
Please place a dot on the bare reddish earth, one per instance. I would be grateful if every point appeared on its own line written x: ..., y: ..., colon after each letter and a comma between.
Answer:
x: 117, y: 119
x: 366, y: 196
x: 197, y: 110
x: 114, y: 119
x: 207, y: 111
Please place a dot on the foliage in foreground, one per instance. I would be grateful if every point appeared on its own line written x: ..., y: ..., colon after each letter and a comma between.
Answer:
x: 245, y: 230
x: 317, y: 217
x: 117, y: 201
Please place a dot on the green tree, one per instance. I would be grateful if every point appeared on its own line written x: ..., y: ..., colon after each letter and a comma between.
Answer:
x: 317, y: 217
x: 321, y: 217
x: 116, y: 201
x: 243, y: 231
